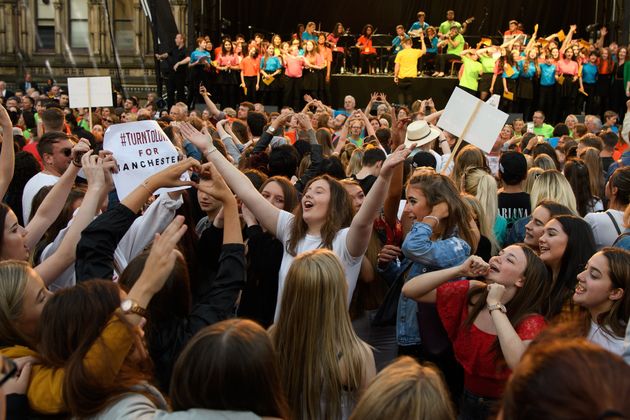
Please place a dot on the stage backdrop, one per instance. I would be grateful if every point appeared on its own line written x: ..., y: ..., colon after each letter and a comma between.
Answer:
x: 491, y: 16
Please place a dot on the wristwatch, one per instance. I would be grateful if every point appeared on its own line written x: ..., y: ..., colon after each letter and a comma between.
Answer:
x: 271, y: 129
x: 498, y: 306
x: 129, y: 306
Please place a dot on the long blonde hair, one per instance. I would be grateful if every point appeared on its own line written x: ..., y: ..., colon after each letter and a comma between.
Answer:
x: 406, y: 390
x: 532, y: 175
x: 354, y: 164
x: 319, y: 352
x: 483, y: 186
x: 14, y: 275
x: 552, y: 185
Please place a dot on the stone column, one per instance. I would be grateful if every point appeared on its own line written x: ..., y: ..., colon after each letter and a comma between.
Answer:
x: 57, y: 4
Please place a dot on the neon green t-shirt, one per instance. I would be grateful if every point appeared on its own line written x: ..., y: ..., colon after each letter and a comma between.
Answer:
x: 470, y: 75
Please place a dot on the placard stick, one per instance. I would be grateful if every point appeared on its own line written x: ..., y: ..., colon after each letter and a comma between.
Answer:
x: 464, y: 133
x: 89, y: 94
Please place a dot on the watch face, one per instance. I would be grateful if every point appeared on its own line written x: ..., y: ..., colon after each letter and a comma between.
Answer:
x: 126, y: 305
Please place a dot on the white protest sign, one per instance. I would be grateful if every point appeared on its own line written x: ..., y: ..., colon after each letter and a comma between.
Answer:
x: 87, y: 92
x: 481, y: 122
x: 494, y: 100
x: 141, y: 149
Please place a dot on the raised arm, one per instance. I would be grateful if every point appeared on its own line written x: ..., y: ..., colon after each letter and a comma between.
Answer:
x: 568, y: 39
x: 7, y: 156
x: 368, y: 127
x: 532, y: 40
x: 512, y: 346
x: 53, y: 266
x: 343, y: 136
x: 361, y: 226
x: 52, y: 205
x: 423, y: 287
x: 212, y: 108
x: 264, y: 211
x: 394, y: 192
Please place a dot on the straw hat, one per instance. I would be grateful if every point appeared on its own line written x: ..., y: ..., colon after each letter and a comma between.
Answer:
x: 420, y: 133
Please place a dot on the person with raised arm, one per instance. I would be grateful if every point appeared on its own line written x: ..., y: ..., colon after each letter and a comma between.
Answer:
x: 323, y: 219
x: 491, y: 322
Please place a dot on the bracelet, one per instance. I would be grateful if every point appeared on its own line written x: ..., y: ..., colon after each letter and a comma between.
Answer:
x: 442, y: 141
x: 214, y: 149
x: 432, y: 217
x: 77, y: 164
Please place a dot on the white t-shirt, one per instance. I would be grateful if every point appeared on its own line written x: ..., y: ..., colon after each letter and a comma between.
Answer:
x: 31, y: 189
x: 603, y: 228
x: 351, y: 265
x: 598, y: 336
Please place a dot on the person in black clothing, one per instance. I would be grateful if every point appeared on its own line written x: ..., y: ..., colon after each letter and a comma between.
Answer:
x: 264, y: 255
x: 514, y: 203
x: 371, y: 163
x: 179, y: 310
x: 177, y: 60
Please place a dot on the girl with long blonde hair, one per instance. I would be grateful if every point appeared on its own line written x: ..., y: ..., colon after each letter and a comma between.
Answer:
x: 323, y: 364
x: 406, y: 389
x: 483, y: 186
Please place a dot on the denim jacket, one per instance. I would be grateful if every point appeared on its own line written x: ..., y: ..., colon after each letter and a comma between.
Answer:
x: 426, y: 255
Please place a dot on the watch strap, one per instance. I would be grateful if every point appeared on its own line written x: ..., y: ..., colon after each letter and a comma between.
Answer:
x: 498, y: 306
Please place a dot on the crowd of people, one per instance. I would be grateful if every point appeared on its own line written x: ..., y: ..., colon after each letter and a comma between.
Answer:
x: 320, y: 263
x: 556, y: 73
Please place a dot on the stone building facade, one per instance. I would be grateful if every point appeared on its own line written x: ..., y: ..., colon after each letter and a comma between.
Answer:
x: 69, y: 38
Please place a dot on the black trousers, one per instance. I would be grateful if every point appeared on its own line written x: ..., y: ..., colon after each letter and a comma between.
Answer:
x: 250, y: 84
x: 444, y: 59
x: 292, y: 92
x: 175, y: 89
x: 546, y: 100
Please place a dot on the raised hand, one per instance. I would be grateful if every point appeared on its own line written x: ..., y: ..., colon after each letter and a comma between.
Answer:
x: 170, y: 177
x: 161, y: 259
x: 474, y: 266
x: 5, y: 120
x: 218, y: 189
x: 201, y: 141
x: 395, y: 159
x: 495, y: 293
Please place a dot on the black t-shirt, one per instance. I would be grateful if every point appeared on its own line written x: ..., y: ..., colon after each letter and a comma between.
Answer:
x: 606, y: 162
x: 514, y: 206
x: 175, y: 56
x: 365, y: 183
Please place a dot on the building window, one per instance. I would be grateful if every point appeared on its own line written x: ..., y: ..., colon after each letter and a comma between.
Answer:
x: 45, y: 25
x: 79, y: 32
x: 123, y: 25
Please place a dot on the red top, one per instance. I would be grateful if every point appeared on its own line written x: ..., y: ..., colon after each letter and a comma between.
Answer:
x: 228, y: 60
x: 294, y: 65
x: 250, y: 66
x: 333, y: 40
x: 366, y: 45
x: 473, y: 347
x: 567, y: 67
x: 32, y: 149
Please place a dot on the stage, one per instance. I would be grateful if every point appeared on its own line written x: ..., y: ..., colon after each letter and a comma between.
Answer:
x: 361, y: 86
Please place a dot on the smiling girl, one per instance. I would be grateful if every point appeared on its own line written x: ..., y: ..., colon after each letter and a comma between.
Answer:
x: 602, y: 289
x: 322, y: 220
x: 489, y: 323
x: 565, y: 246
